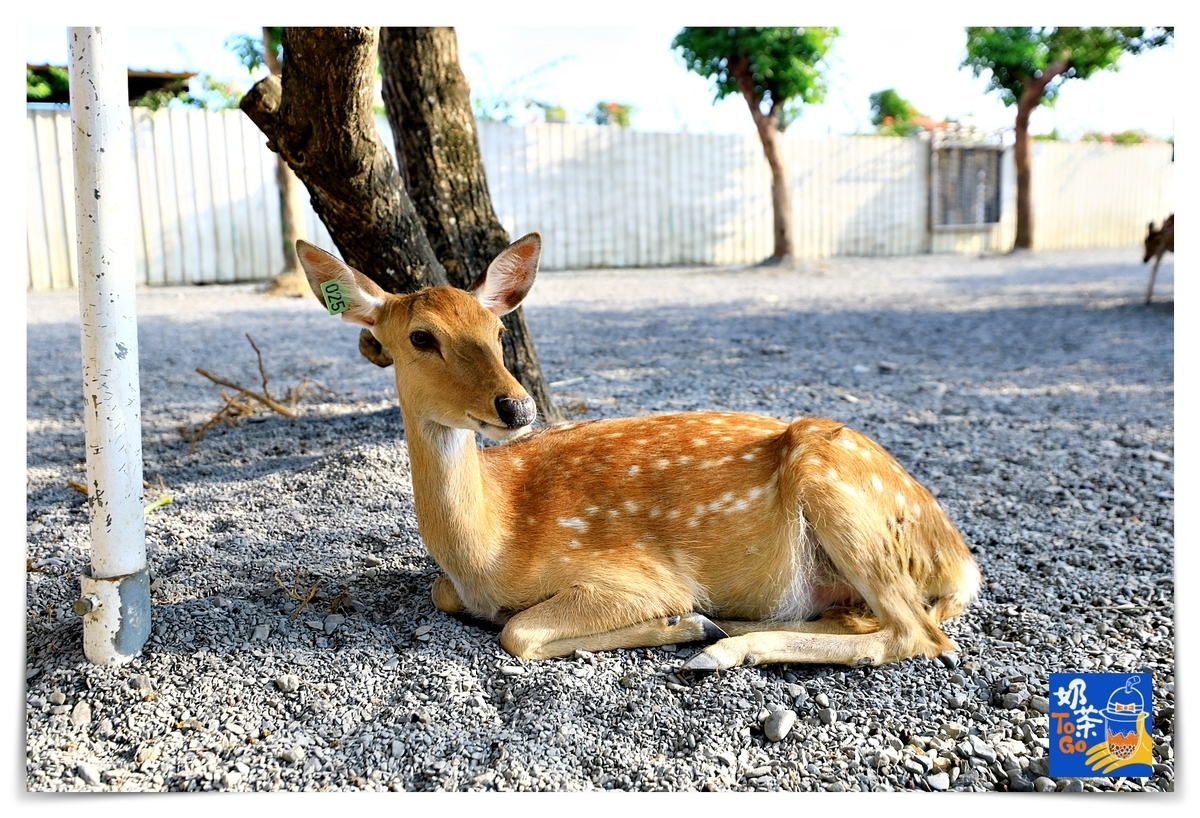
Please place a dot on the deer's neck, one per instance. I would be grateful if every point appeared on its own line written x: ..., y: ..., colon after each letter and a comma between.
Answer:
x: 458, y: 524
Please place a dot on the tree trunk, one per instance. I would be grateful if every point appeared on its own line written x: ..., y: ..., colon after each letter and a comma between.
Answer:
x: 1027, y: 102
x: 290, y: 280
x: 429, y: 108
x: 768, y: 133
x: 1025, y: 106
x: 320, y: 119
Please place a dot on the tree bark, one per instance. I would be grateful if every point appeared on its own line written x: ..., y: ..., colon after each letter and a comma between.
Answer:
x: 428, y: 105
x: 1027, y: 103
x: 768, y: 133
x: 321, y: 120
x: 291, y: 201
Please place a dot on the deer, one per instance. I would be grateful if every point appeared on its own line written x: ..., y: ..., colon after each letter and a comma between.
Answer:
x: 767, y: 541
x: 1157, y: 243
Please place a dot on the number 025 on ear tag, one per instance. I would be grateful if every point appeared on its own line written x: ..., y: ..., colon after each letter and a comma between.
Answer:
x: 336, y: 301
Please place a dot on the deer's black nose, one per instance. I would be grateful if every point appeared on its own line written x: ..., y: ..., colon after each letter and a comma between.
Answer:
x: 516, y: 413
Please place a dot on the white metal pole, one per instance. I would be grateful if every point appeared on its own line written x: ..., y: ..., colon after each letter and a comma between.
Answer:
x: 115, y: 603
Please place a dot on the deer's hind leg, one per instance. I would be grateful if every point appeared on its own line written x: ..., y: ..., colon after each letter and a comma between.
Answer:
x: 585, y: 617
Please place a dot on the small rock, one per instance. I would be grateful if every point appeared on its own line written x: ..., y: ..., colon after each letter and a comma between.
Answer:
x: 315, y: 624
x: 81, y: 715
x: 1043, y: 784
x: 57, y: 697
x: 980, y: 749
x: 778, y: 725
x: 949, y: 659
x: 288, y: 683
x: 231, y: 779
x: 1012, y: 701
x: 261, y: 632
x: 333, y: 622
x: 105, y: 729
x: 60, y: 709
x: 726, y: 758
x: 292, y: 755
x: 1159, y: 457
x: 1070, y: 785
x: 373, y: 561
x: 822, y: 700
x: 397, y: 749
x: 888, y: 366
x: 939, y: 782
x: 514, y: 670
x: 421, y: 631
x: 827, y: 715
x: 1041, y: 704
x: 141, y: 682
x: 147, y: 754
x: 422, y: 715
x: 90, y: 773
x: 861, y: 369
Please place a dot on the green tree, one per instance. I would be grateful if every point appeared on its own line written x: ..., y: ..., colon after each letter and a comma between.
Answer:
x: 777, y: 71
x: 892, y: 114
x: 1027, y: 67
x: 611, y: 113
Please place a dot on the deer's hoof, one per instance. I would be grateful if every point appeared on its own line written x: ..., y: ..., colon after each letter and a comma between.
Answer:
x: 702, y: 662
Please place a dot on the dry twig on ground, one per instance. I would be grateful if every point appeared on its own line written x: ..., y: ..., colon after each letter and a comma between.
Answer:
x: 295, y: 593
x: 240, y: 405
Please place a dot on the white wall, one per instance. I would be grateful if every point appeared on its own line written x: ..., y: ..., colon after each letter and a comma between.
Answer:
x: 209, y: 208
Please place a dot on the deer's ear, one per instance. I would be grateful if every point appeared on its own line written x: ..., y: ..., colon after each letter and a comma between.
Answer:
x: 509, y: 277
x: 356, y: 297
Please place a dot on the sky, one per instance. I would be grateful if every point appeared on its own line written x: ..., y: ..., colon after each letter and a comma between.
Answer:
x: 582, y: 65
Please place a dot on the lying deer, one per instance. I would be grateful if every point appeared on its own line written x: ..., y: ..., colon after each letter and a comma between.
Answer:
x: 1158, y: 242
x: 806, y: 542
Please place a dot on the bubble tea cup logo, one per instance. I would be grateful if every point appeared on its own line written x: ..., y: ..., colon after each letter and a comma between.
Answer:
x: 1088, y: 741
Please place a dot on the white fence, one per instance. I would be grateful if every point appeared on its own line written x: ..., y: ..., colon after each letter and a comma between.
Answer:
x: 209, y: 209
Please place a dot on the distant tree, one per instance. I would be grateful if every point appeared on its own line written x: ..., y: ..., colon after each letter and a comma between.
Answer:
x: 611, y: 113
x: 892, y: 114
x: 267, y: 52
x: 777, y: 71
x: 1027, y: 67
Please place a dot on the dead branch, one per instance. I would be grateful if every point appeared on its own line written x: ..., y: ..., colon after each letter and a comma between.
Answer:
x: 294, y: 593
x: 264, y: 400
x: 79, y: 487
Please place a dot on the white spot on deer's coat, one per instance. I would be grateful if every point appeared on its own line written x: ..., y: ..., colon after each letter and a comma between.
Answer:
x: 564, y: 559
x: 747, y: 456
x: 916, y: 509
x: 876, y: 482
x: 662, y: 463
x: 901, y: 499
x: 756, y: 492
x: 847, y: 443
x: 531, y: 520
x: 634, y: 469
x: 590, y: 510
x: 573, y: 544
x: 631, y: 506
x: 699, y: 441
x: 673, y: 514
x: 573, y: 522
x: 740, y: 505
x: 683, y: 461
x: 518, y: 462
x: 848, y: 489
x: 612, y: 512
x: 831, y: 474
x: 813, y: 461
x: 716, y: 421
x: 654, y: 512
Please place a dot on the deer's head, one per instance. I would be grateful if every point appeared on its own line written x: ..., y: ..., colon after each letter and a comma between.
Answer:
x: 445, y: 342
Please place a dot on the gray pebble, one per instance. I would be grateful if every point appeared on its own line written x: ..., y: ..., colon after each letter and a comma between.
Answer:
x: 822, y: 700
x: 421, y: 631
x: 373, y: 561
x: 938, y: 781
x: 1041, y: 704
x: 778, y: 725
x: 1070, y: 785
x: 81, y: 715
x: 827, y: 715
x: 292, y: 755
x: 516, y: 670
x: 90, y: 773
x: 333, y: 622
x: 288, y: 683
x: 141, y: 682
x: 980, y: 749
x: 1043, y: 784
x: 261, y: 632
x: 57, y: 697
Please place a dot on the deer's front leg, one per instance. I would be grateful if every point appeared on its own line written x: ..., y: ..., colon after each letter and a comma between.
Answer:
x: 579, y: 618
x: 445, y: 597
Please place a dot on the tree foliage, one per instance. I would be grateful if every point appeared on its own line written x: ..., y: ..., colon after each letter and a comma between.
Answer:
x: 787, y: 64
x: 1015, y: 57
x: 892, y: 114
x: 250, y: 50
x: 611, y: 113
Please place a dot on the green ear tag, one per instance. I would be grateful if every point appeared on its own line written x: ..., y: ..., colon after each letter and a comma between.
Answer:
x: 335, y: 300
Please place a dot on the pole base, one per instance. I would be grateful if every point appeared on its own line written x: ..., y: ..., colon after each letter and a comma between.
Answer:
x: 116, y: 616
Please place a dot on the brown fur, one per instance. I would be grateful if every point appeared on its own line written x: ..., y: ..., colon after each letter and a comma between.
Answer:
x: 1158, y: 242
x: 630, y: 532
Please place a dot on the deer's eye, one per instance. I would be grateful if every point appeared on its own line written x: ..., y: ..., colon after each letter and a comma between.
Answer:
x: 422, y: 340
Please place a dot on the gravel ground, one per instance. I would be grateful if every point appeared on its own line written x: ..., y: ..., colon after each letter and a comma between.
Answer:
x: 1033, y: 394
